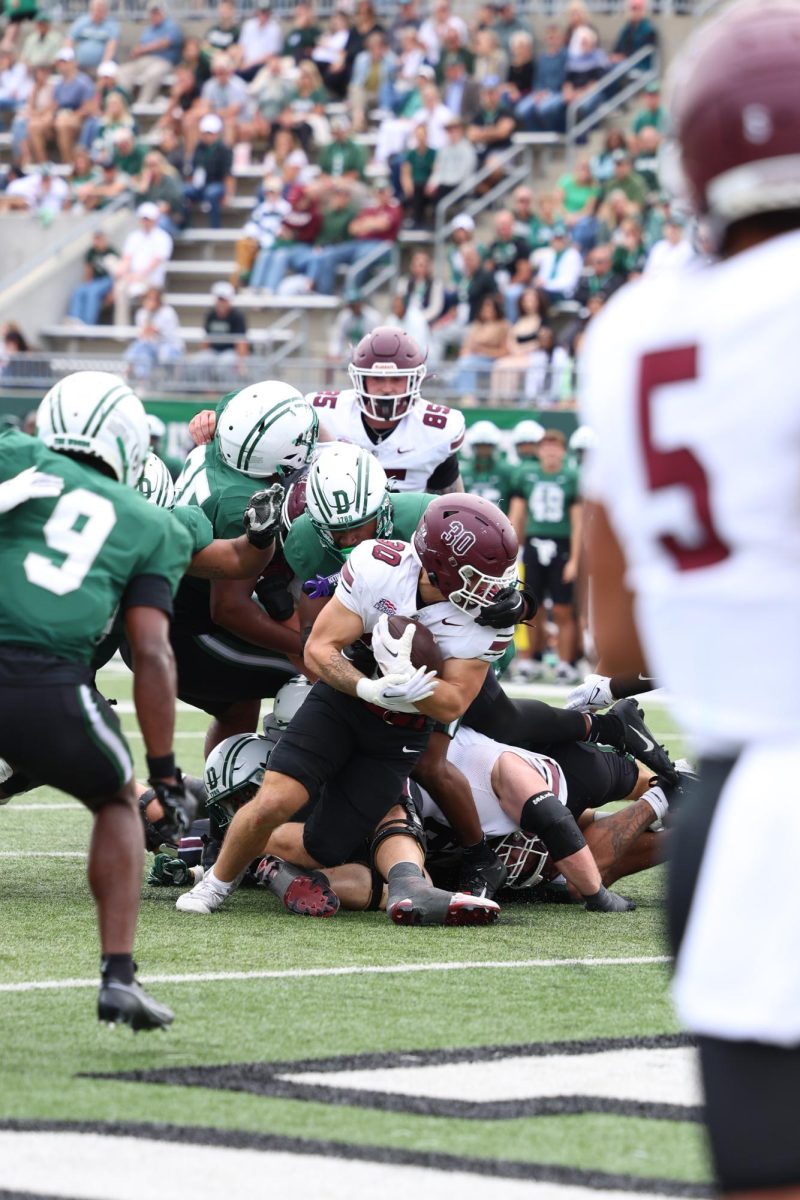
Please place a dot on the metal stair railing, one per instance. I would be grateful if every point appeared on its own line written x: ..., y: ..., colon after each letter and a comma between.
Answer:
x: 580, y: 127
x: 377, y: 280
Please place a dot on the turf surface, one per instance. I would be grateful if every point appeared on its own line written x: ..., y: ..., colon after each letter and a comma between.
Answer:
x: 51, y: 1038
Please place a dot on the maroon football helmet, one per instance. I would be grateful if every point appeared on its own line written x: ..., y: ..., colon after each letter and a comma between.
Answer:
x: 469, y: 549
x: 736, y: 113
x: 294, y: 503
x: 387, y: 352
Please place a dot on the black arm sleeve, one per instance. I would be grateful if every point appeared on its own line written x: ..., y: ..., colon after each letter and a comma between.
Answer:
x: 446, y: 473
x: 630, y: 685
x: 147, y: 591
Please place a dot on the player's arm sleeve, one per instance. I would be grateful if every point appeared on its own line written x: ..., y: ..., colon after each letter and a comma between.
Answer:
x: 147, y: 591
x: 169, y: 553
x: 228, y: 516
x: 445, y: 474
x: 195, y: 522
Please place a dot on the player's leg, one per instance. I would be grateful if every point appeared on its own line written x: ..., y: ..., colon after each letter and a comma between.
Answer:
x: 526, y: 798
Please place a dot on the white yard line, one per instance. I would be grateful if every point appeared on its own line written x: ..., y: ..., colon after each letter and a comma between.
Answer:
x: 46, y: 985
x: 43, y: 854
x: 35, y: 807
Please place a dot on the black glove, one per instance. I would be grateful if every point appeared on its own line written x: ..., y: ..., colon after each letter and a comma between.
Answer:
x: 273, y: 593
x: 179, y: 808
x: 510, y: 607
x: 262, y: 517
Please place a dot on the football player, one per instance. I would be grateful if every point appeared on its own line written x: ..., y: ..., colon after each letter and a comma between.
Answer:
x: 486, y: 473
x: 416, y: 443
x: 689, y: 382
x: 232, y: 649
x: 356, y: 739
x: 69, y: 556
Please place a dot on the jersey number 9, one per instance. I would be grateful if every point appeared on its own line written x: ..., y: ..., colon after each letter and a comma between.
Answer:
x: 77, y: 528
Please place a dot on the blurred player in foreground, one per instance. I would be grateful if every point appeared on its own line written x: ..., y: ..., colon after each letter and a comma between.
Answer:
x: 690, y: 385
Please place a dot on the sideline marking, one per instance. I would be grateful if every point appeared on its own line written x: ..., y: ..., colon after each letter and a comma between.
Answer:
x: 43, y: 854
x: 44, y: 807
x: 45, y: 985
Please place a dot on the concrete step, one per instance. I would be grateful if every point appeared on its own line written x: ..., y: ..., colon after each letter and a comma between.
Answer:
x: 114, y: 339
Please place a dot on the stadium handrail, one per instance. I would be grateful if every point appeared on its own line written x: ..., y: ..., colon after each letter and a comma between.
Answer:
x: 577, y: 129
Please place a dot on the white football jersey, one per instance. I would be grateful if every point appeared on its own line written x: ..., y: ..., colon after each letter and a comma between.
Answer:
x: 689, y: 380
x: 422, y: 440
x: 475, y: 756
x: 383, y: 576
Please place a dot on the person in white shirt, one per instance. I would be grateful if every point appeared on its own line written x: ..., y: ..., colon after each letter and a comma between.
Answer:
x: 673, y: 251
x: 559, y: 265
x: 158, y: 340
x: 145, y: 254
x: 261, y: 39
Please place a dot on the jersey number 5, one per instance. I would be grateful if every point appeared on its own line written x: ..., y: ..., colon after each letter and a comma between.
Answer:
x: 677, y: 468
x: 77, y: 528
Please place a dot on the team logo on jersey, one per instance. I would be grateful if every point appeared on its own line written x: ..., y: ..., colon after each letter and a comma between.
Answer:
x: 385, y: 606
x: 459, y: 539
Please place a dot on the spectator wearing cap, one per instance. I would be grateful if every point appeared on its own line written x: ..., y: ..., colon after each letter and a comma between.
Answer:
x: 293, y: 247
x: 460, y: 94
x: 343, y: 157
x: 372, y: 80
x: 302, y: 34
x: 71, y: 104
x: 559, y: 266
x: 88, y: 299
x: 626, y: 180
x: 645, y: 159
x: 127, y: 153
x: 493, y: 126
x: 455, y: 162
x: 223, y: 36
x: 94, y: 37
x: 544, y: 109
x: 637, y: 32
x: 225, y: 95
x: 156, y: 53
x: 226, y: 329
x: 100, y: 115
x: 40, y: 192
x: 375, y: 228
x: 15, y: 83
x: 462, y: 235
x: 261, y: 229
x: 42, y: 44
x: 415, y: 172
x: 651, y: 112
x: 674, y: 251
x: 158, y: 341
x: 261, y: 39
x: 211, y: 165
x: 145, y: 253
x: 160, y: 184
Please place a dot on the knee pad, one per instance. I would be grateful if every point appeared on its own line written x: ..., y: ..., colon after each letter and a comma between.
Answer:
x: 409, y: 825
x: 547, y: 818
x: 377, y: 883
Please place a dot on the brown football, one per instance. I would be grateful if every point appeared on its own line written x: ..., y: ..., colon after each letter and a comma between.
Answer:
x: 425, y: 651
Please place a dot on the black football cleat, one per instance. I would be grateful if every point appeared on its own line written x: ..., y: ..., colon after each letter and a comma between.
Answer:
x: 129, y: 1004
x: 432, y: 906
x: 304, y: 893
x: 640, y: 742
x: 484, y: 876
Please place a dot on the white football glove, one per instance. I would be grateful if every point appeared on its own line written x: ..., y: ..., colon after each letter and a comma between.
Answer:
x: 592, y: 694
x: 393, y: 655
x: 28, y: 485
x: 399, y: 692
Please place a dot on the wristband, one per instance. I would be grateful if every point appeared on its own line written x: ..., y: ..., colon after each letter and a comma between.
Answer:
x: 162, y: 767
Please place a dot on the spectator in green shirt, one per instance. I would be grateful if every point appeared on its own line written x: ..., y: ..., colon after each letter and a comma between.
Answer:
x: 651, y: 112
x: 342, y: 158
x: 303, y: 33
x: 626, y: 180
x: 415, y: 171
x: 578, y: 191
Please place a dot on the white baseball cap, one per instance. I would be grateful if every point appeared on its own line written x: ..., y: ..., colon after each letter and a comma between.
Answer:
x: 211, y: 123
x: 65, y: 54
x: 148, y: 211
x: 108, y: 69
x: 223, y: 290
x: 464, y: 221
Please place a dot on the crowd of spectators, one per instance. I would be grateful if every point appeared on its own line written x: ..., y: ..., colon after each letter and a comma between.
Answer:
x: 441, y: 97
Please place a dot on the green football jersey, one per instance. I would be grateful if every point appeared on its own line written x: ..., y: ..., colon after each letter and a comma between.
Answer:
x: 66, y: 561
x: 492, y: 482
x: 549, y: 497
x: 307, y: 554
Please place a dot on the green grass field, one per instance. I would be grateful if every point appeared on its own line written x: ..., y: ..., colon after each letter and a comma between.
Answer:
x: 507, y: 990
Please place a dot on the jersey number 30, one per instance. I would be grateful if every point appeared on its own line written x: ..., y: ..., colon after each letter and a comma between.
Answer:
x: 77, y: 528
x: 677, y: 468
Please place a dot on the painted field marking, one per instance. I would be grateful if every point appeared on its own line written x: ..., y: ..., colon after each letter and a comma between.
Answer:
x: 43, y: 854
x: 45, y: 985
x: 35, y: 807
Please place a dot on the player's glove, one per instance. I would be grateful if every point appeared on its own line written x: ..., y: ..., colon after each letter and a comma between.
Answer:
x: 179, y: 806
x: 262, y: 517
x: 592, y: 694
x: 509, y: 607
x: 392, y: 654
x: 398, y: 693
x: 321, y: 586
x: 28, y: 485
x: 168, y: 871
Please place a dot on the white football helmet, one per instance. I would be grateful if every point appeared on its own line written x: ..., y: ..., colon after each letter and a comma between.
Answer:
x: 484, y: 433
x: 347, y: 487
x: 525, y: 857
x: 288, y: 700
x: 96, y: 413
x: 233, y: 774
x: 584, y: 438
x: 155, y: 482
x: 267, y: 429
x: 527, y: 431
